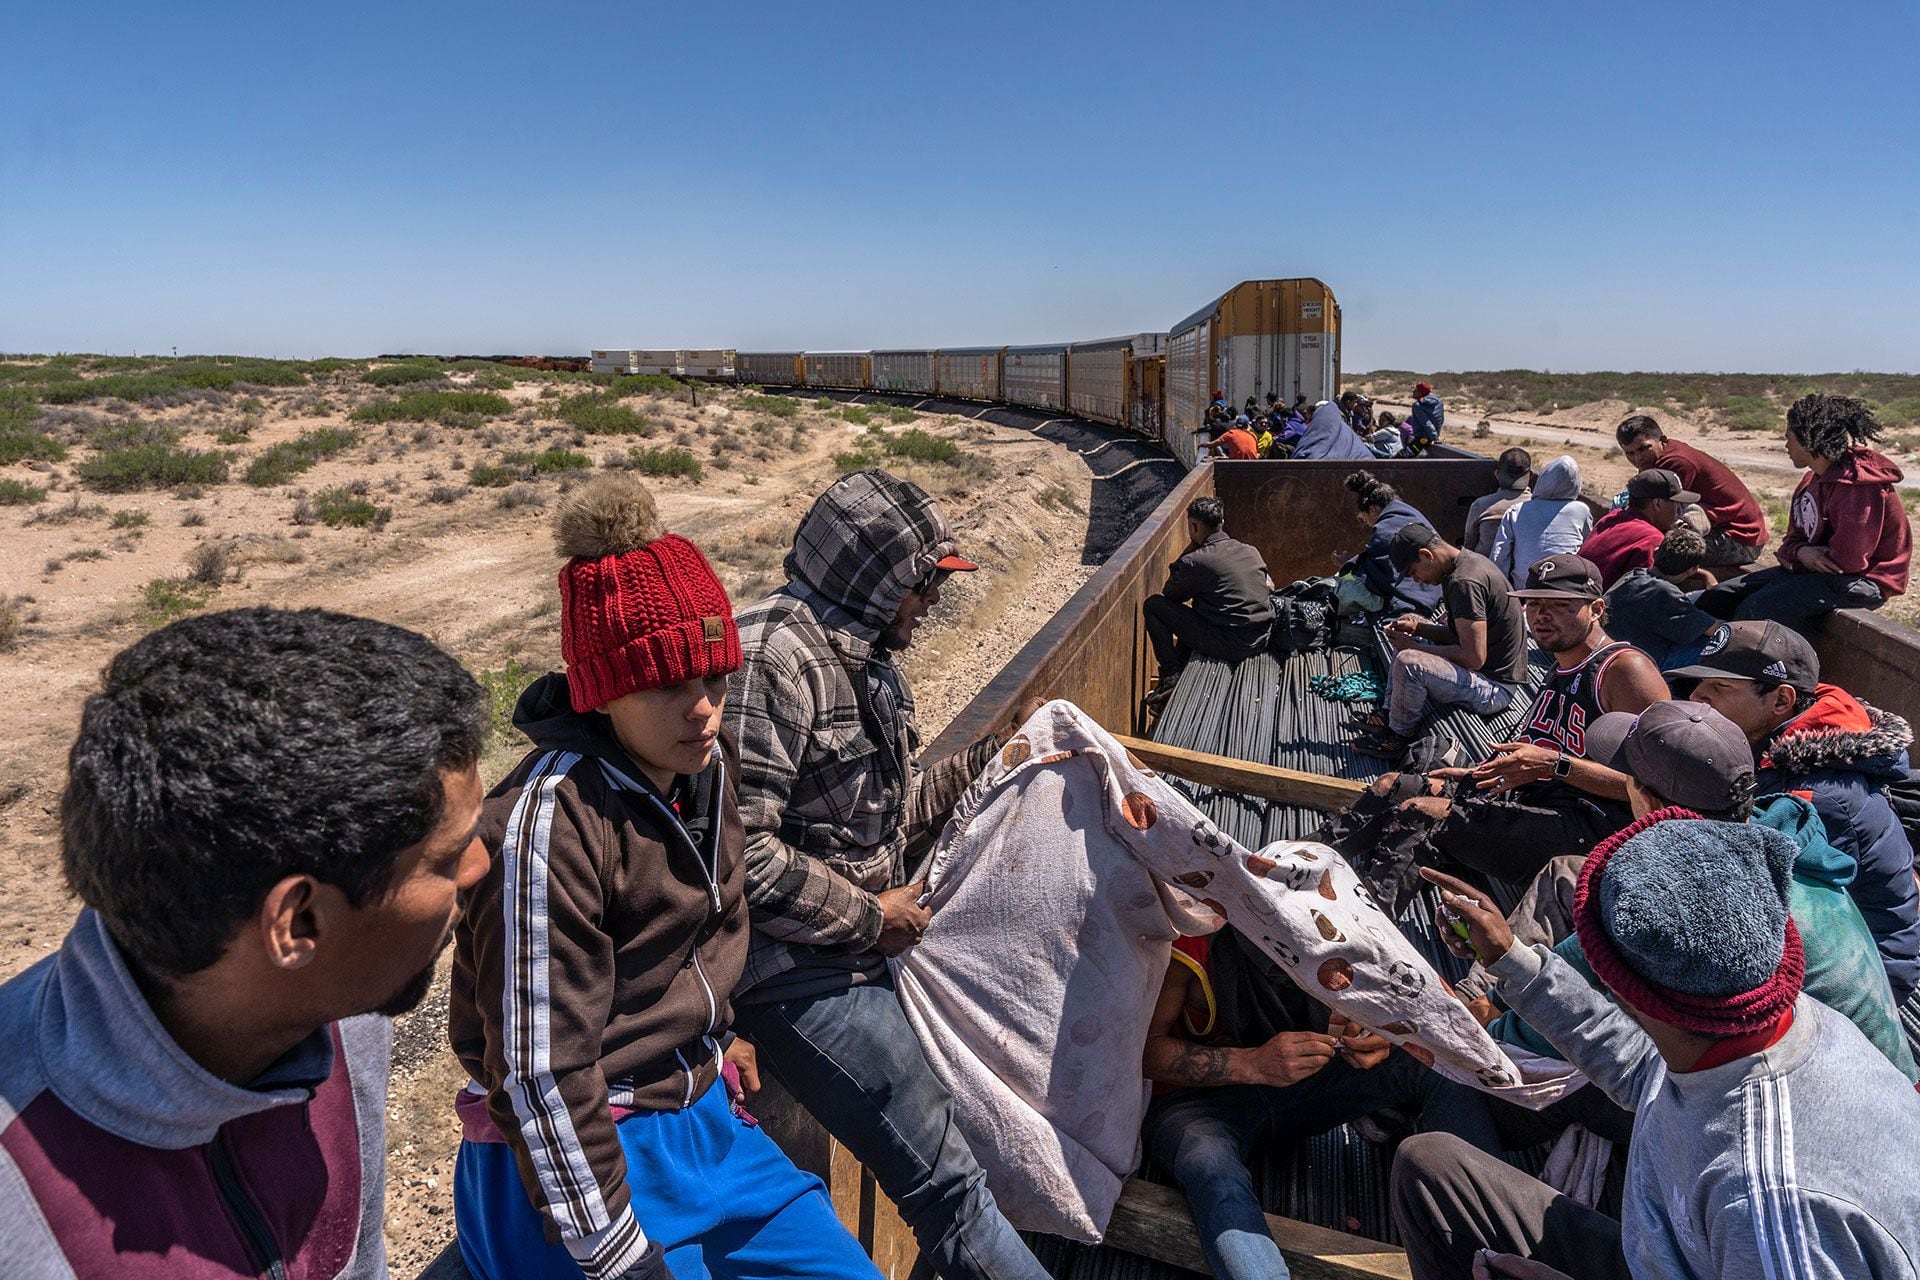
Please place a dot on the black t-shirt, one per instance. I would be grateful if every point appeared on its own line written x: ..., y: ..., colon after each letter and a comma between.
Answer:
x: 1476, y: 591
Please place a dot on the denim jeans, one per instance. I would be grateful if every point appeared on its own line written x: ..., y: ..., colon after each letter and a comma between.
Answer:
x: 1203, y: 1136
x: 1417, y: 678
x: 851, y: 1059
x: 1793, y: 600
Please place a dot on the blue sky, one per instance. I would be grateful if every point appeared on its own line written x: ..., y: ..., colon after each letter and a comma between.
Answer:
x: 1658, y: 186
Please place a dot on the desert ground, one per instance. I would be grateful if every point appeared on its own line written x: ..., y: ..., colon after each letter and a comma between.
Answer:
x: 441, y: 524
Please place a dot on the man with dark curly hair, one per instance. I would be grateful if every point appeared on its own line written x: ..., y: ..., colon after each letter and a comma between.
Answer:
x: 1848, y: 541
x: 271, y: 818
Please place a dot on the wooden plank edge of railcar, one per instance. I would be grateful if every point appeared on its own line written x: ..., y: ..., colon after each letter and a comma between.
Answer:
x: 1154, y: 1222
x: 1264, y: 781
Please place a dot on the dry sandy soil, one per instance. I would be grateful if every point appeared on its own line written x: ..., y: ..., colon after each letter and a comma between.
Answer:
x: 478, y: 576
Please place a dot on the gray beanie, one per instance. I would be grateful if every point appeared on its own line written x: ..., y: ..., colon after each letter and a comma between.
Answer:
x: 1699, y: 907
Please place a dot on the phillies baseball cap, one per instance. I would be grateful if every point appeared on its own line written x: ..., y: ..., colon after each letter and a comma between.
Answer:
x: 1755, y: 651
x: 1561, y: 577
x: 1658, y: 482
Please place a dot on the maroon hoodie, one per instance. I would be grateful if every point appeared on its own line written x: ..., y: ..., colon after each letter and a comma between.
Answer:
x: 1623, y: 540
x: 1854, y: 511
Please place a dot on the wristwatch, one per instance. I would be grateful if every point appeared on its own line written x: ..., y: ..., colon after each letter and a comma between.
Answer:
x: 1563, y: 765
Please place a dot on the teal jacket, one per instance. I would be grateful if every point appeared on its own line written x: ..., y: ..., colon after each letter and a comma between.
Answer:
x: 1844, y: 971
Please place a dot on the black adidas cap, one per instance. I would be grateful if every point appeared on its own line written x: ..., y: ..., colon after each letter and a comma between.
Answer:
x: 1755, y: 651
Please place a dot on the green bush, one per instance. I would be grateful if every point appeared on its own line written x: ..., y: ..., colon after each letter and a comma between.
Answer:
x: 921, y: 447
x: 855, y: 460
x: 503, y: 687
x: 164, y: 599
x: 641, y: 384
x: 428, y: 405
x: 602, y: 415
x: 289, y: 458
x: 551, y: 460
x: 15, y: 493
x: 666, y: 462
x: 1753, y: 413
x: 343, y: 506
x: 152, y: 466
x: 20, y: 439
x: 773, y: 406
x: 400, y: 375
x: 129, y: 519
x: 489, y: 476
x: 858, y: 415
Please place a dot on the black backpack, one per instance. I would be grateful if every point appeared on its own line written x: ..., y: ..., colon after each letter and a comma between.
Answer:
x: 1305, y: 614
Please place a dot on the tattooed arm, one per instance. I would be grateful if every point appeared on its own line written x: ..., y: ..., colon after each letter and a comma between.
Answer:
x: 1173, y: 1058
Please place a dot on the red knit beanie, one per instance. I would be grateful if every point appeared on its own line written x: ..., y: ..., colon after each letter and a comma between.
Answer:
x: 639, y: 609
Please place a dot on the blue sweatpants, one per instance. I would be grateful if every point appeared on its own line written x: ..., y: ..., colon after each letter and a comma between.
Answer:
x: 720, y: 1197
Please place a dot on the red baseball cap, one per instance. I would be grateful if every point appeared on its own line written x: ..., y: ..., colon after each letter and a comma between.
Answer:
x: 954, y: 564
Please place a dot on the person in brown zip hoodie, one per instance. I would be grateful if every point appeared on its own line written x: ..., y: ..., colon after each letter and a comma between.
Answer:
x: 594, y: 964
x: 1848, y: 538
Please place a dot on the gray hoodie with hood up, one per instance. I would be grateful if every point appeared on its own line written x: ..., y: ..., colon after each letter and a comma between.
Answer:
x: 832, y: 791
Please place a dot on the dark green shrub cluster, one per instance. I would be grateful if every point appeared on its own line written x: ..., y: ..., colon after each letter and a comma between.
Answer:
x: 154, y: 465
x: 602, y: 415
x: 289, y: 458
x: 428, y: 405
x: 665, y: 462
x: 773, y: 406
x: 345, y: 506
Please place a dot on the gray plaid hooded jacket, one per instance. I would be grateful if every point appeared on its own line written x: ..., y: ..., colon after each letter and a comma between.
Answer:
x: 831, y: 789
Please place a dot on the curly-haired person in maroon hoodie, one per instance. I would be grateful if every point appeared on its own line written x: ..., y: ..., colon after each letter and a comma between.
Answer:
x: 1848, y: 540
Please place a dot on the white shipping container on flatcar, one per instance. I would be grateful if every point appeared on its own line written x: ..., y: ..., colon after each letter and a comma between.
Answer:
x: 610, y: 361
x: 909, y: 371
x: 708, y: 363
x: 658, y: 362
x: 1035, y: 377
x: 768, y: 368
x: 969, y: 373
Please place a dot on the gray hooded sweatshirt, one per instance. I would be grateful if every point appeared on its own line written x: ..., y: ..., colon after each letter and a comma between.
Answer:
x: 831, y: 786
x: 1799, y: 1161
x: 1554, y: 521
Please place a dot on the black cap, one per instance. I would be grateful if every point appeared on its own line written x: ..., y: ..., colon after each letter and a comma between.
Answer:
x: 1561, y: 577
x: 1514, y: 466
x: 1658, y: 482
x: 1755, y: 651
x: 1688, y: 753
x: 1407, y: 542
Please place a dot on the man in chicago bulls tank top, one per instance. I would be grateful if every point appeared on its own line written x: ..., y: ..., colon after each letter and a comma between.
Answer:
x: 1537, y: 797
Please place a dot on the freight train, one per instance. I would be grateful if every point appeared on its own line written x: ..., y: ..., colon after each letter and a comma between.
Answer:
x: 1261, y: 337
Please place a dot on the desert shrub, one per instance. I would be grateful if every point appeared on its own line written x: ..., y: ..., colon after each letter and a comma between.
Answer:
x: 233, y: 435
x: 209, y: 563
x: 193, y: 520
x: 643, y: 384
x: 503, y: 686
x: 1752, y: 413
x: 152, y: 466
x: 666, y: 462
x: 921, y: 447
x: 20, y: 439
x: 551, y: 460
x: 492, y: 476
x: 164, y: 599
x: 13, y: 621
x: 520, y: 495
x: 129, y: 520
x: 445, y: 493
x: 16, y: 493
x: 772, y: 406
x: 429, y: 405
x: 602, y: 415
x: 345, y: 507
x: 400, y: 375
x: 859, y: 415
x: 289, y: 458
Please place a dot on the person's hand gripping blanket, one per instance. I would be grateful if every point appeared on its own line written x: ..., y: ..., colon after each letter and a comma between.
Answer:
x: 1056, y: 891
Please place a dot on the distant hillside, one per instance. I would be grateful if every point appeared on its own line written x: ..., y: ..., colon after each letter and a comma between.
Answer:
x: 1738, y: 401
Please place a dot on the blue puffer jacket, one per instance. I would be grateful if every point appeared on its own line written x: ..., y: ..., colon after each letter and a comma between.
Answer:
x: 1844, y: 753
x: 1373, y: 566
x: 1427, y: 417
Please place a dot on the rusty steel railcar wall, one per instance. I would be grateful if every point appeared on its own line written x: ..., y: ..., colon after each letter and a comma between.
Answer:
x: 1259, y: 337
x: 904, y: 371
x: 838, y: 370
x: 968, y: 373
x: 1035, y: 377
x: 768, y: 368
